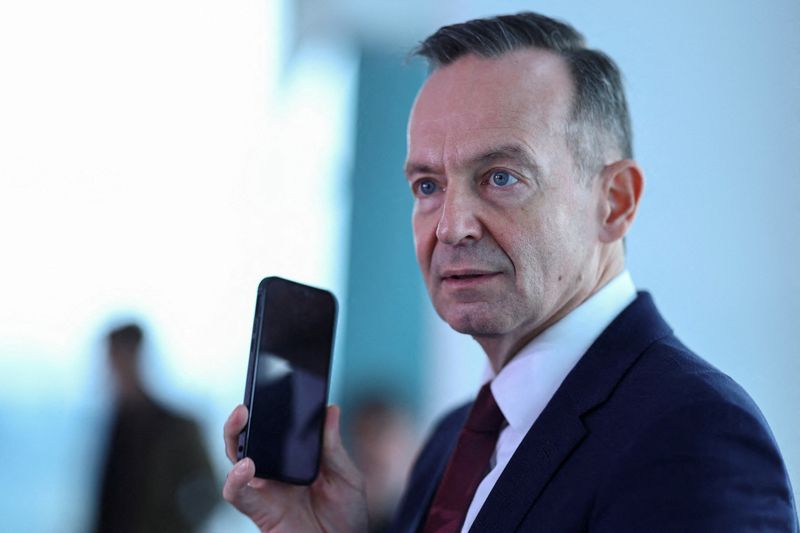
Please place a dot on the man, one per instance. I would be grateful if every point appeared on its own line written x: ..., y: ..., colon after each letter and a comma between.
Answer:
x: 596, y: 417
x: 157, y: 475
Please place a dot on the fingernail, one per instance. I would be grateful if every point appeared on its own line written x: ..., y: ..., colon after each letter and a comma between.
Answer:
x: 241, y: 467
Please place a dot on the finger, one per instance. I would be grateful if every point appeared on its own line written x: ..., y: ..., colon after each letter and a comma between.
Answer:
x: 233, y: 426
x: 236, y: 489
x: 249, y: 495
x: 334, y: 455
x: 332, y: 439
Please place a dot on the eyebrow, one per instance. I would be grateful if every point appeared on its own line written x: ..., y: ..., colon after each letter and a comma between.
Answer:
x: 513, y: 152
x: 411, y: 169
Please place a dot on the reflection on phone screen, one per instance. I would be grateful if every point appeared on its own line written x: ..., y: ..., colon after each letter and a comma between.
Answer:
x: 290, y: 382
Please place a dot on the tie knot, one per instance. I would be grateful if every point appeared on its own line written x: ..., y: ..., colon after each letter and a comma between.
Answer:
x: 485, y: 415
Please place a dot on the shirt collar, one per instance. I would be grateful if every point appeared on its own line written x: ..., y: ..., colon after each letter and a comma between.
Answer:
x: 525, y: 385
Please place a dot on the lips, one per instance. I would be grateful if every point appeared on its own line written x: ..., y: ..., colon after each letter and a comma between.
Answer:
x: 467, y: 275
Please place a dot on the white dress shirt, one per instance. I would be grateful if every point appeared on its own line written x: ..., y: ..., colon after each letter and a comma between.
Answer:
x: 526, y: 384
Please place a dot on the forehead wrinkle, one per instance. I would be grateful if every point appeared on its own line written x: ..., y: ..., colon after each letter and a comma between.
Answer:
x: 473, y: 150
x: 429, y: 153
x: 465, y: 156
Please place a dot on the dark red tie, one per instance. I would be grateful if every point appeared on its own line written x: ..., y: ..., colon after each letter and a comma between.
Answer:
x: 467, y: 467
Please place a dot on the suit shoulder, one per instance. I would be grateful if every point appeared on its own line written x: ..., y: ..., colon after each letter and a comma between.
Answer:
x: 677, y: 374
x: 691, y: 435
x: 672, y: 394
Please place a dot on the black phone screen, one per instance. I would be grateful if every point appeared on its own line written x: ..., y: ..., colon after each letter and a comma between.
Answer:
x: 287, y: 383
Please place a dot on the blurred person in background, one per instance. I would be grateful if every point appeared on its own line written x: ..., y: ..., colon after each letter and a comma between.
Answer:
x: 594, y: 416
x: 383, y: 444
x: 156, y: 474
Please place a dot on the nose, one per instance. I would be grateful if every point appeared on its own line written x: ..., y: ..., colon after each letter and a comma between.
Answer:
x: 458, y: 221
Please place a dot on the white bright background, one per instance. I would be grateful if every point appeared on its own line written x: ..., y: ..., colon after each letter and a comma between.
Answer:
x: 157, y: 159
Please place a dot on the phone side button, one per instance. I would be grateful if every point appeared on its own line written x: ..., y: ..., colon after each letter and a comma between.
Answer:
x: 240, y: 448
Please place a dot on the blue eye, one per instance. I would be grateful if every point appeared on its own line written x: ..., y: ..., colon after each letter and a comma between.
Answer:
x: 501, y: 178
x: 426, y: 187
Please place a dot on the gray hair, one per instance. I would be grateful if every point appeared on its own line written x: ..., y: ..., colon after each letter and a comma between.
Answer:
x: 599, y: 120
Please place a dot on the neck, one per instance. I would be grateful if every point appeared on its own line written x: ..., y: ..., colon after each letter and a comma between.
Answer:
x: 502, y: 348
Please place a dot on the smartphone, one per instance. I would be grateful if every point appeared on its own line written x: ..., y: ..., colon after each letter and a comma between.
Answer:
x: 288, y: 377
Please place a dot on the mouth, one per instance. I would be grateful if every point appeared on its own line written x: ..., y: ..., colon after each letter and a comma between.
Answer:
x: 465, y: 277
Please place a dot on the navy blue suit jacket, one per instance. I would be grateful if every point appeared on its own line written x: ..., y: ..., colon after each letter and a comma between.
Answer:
x: 642, y: 435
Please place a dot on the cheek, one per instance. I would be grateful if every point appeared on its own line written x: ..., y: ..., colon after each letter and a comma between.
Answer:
x: 563, y: 245
x: 533, y: 243
x: 424, y: 239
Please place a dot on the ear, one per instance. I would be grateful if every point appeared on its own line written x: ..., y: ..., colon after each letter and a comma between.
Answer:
x: 622, y: 184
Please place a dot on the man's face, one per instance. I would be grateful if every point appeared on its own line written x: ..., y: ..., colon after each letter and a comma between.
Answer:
x: 505, y: 232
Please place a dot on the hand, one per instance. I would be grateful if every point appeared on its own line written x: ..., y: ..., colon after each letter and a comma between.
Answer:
x: 334, y: 502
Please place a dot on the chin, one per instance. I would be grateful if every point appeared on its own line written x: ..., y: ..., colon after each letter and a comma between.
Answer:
x: 475, y: 323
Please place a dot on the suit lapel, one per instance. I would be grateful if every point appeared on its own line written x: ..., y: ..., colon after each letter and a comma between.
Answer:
x: 559, y: 429
x: 554, y: 435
